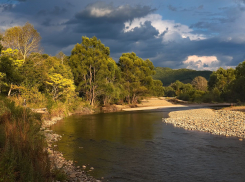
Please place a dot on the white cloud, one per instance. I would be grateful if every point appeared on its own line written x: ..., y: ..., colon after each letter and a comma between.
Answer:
x: 207, y: 62
x: 174, y: 31
x: 100, y: 12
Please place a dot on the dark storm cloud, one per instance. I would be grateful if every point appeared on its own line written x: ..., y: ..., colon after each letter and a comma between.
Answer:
x: 55, y: 11
x: 62, y: 23
x: 107, y: 12
x: 6, y: 7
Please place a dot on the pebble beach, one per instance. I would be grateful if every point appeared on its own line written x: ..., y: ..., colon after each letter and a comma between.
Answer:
x: 218, y: 122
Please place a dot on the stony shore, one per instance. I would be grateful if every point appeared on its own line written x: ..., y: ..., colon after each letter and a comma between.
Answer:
x: 58, y: 162
x: 219, y: 122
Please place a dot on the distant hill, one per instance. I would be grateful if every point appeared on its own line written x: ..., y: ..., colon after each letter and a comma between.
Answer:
x: 168, y: 75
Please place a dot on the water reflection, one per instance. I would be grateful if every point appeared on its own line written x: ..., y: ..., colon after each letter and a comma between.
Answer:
x: 137, y: 146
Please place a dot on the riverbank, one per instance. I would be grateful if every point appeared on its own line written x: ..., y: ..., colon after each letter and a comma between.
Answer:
x: 163, y: 102
x: 219, y: 122
x: 66, y: 168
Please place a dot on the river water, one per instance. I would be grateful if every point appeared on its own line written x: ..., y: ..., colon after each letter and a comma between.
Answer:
x: 138, y: 147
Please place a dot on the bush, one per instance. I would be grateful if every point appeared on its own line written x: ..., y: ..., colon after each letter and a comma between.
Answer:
x: 23, y: 157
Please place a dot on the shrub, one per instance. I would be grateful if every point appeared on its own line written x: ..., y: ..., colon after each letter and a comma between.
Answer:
x: 23, y: 157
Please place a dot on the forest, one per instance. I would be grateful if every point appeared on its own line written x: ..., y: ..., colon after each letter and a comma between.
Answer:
x: 88, y: 77
x: 168, y: 75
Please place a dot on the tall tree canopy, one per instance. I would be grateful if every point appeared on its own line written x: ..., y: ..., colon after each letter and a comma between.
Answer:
x: 90, y: 63
x: 238, y: 86
x: 25, y: 39
x: 200, y: 83
x: 221, y: 78
x: 137, y: 75
x: 10, y: 67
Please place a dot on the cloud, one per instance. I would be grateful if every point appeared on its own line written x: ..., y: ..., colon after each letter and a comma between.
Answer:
x: 205, y: 62
x: 175, y: 31
x: 172, y: 8
x: 166, y: 37
x: 6, y: 7
x: 55, y: 11
x: 108, y: 12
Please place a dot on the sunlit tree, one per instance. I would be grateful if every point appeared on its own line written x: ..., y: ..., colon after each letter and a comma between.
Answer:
x: 25, y: 39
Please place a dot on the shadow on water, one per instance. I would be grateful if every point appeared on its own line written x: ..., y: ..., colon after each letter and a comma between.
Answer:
x: 138, y: 146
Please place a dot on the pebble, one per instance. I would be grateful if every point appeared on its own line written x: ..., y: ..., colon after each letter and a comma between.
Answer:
x: 58, y: 161
x: 219, y: 122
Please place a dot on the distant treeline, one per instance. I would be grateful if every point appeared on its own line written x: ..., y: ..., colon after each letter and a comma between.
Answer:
x: 168, y: 75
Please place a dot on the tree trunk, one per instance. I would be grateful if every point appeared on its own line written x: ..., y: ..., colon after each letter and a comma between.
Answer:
x: 92, y: 101
x: 10, y: 90
x: 90, y: 82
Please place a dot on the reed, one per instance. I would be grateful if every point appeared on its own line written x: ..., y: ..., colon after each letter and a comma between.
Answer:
x: 23, y: 157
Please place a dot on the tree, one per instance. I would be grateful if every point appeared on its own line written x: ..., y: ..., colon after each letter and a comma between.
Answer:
x: 10, y: 67
x: 61, y: 87
x: 137, y: 75
x: 157, y: 89
x: 221, y: 79
x: 25, y: 39
x: 89, y: 62
x: 237, y: 86
x: 61, y: 56
x: 200, y: 83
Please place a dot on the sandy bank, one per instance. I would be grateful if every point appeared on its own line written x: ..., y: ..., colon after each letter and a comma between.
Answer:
x: 220, y: 122
x: 153, y: 103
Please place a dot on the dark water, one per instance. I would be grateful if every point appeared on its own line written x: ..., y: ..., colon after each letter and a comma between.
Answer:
x: 137, y: 146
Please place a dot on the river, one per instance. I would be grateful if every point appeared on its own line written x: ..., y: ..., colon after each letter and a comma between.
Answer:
x: 138, y: 146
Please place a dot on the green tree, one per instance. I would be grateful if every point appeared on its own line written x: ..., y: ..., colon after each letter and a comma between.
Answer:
x: 221, y: 78
x: 237, y: 86
x: 62, y: 57
x: 10, y: 67
x: 60, y: 86
x: 200, y: 83
x: 157, y: 89
x: 137, y: 76
x: 90, y: 63
x: 25, y: 39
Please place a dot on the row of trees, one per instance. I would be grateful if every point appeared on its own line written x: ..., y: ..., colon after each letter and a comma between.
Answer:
x: 99, y: 78
x: 224, y: 85
x: 92, y: 74
x: 89, y: 71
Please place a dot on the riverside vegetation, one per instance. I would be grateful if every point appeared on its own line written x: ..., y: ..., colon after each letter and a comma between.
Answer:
x: 85, y: 80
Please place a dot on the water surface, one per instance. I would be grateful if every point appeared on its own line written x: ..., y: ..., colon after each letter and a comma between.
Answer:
x: 138, y: 146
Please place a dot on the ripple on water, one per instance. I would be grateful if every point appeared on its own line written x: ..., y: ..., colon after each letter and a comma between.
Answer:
x: 138, y: 147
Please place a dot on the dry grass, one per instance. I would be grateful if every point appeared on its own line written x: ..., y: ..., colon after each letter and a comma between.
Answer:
x: 23, y: 157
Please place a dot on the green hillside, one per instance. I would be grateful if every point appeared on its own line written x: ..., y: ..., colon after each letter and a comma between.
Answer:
x: 168, y: 75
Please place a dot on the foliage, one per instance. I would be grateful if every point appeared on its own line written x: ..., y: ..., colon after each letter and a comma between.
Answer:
x: 200, y: 83
x: 221, y: 78
x: 137, y: 76
x: 23, y: 157
x: 94, y: 71
x: 168, y: 75
x: 60, y: 86
x: 237, y: 87
x: 25, y: 39
x: 10, y: 67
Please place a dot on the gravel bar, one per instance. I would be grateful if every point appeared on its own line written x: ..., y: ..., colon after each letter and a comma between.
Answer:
x: 219, y: 122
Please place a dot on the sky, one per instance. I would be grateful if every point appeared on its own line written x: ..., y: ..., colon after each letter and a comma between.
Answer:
x: 193, y: 34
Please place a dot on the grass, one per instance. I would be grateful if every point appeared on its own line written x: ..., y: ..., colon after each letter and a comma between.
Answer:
x: 23, y: 157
